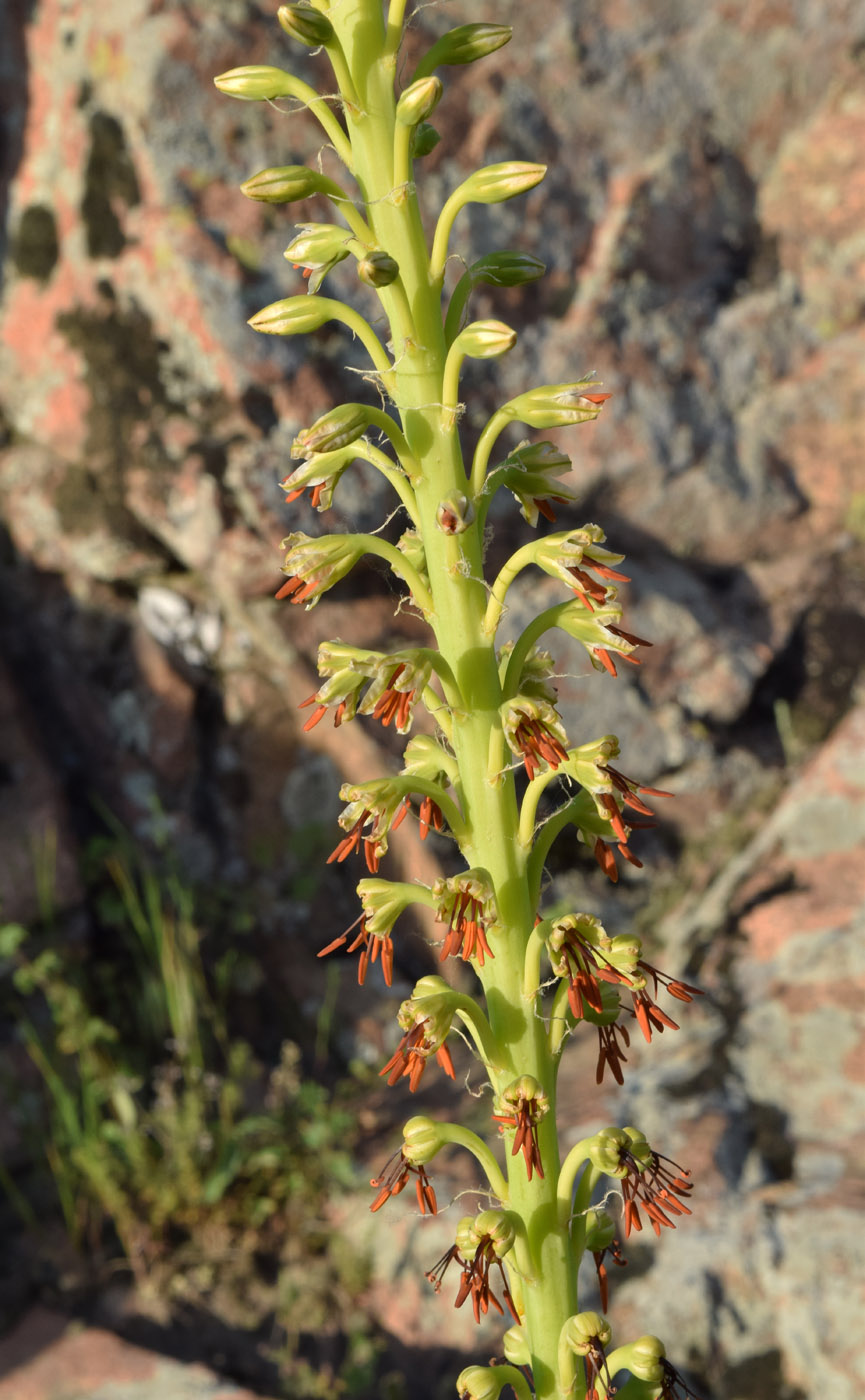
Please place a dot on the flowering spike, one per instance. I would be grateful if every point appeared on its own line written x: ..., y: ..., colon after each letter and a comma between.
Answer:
x: 490, y: 708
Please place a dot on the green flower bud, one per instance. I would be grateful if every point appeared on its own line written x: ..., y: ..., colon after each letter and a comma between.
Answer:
x: 538, y: 457
x: 516, y: 1347
x: 557, y: 405
x: 280, y: 184
x: 465, y: 44
x: 332, y: 431
x: 378, y: 269
x: 480, y: 1383
x: 532, y: 473
x: 424, y: 140
x: 507, y: 269
x: 294, y: 315
x: 584, y: 1330
x: 495, y: 183
x: 644, y: 1357
x: 317, y: 248
x: 485, y: 340
x: 256, y: 82
x: 306, y: 25
x: 418, y: 100
x: 455, y: 515
x: 422, y: 1139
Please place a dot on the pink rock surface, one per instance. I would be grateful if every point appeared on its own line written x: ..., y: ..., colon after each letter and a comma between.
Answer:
x: 48, y: 1358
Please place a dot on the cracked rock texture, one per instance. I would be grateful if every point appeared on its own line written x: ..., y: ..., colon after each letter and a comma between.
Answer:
x: 703, y: 226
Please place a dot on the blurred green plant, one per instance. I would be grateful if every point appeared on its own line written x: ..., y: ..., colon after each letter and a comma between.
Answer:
x: 153, y: 1118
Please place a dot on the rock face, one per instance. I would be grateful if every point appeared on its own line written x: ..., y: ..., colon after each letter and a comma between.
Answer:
x: 702, y: 221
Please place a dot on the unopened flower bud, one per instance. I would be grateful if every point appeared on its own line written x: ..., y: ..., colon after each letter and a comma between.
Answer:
x: 481, y: 1383
x: 585, y: 1330
x: 538, y: 457
x: 333, y: 430
x: 255, y: 82
x: 418, y: 100
x: 317, y: 248
x: 280, y: 184
x: 425, y: 139
x: 378, y: 269
x: 465, y: 44
x: 516, y: 1347
x: 485, y: 340
x: 305, y: 24
x: 495, y: 183
x: 293, y: 315
x: 557, y: 405
x: 455, y: 515
x: 507, y: 269
x: 644, y: 1359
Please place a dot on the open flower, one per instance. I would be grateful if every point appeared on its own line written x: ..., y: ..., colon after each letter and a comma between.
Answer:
x: 370, y: 946
x: 596, y: 625
x: 613, y: 1040
x: 481, y: 1242
x: 534, y: 733
x: 662, y: 1186
x: 315, y: 565
x: 395, y: 687
x: 395, y: 1178
x: 649, y: 1015
x: 466, y: 903
x: 319, y: 476
x: 522, y: 1106
x: 409, y: 1060
x: 380, y: 806
x: 426, y: 1018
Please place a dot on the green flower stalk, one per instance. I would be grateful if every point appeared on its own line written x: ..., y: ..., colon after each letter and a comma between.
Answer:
x: 500, y: 747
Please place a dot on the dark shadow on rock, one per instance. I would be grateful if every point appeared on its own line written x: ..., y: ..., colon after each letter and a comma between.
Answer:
x: 15, y: 15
